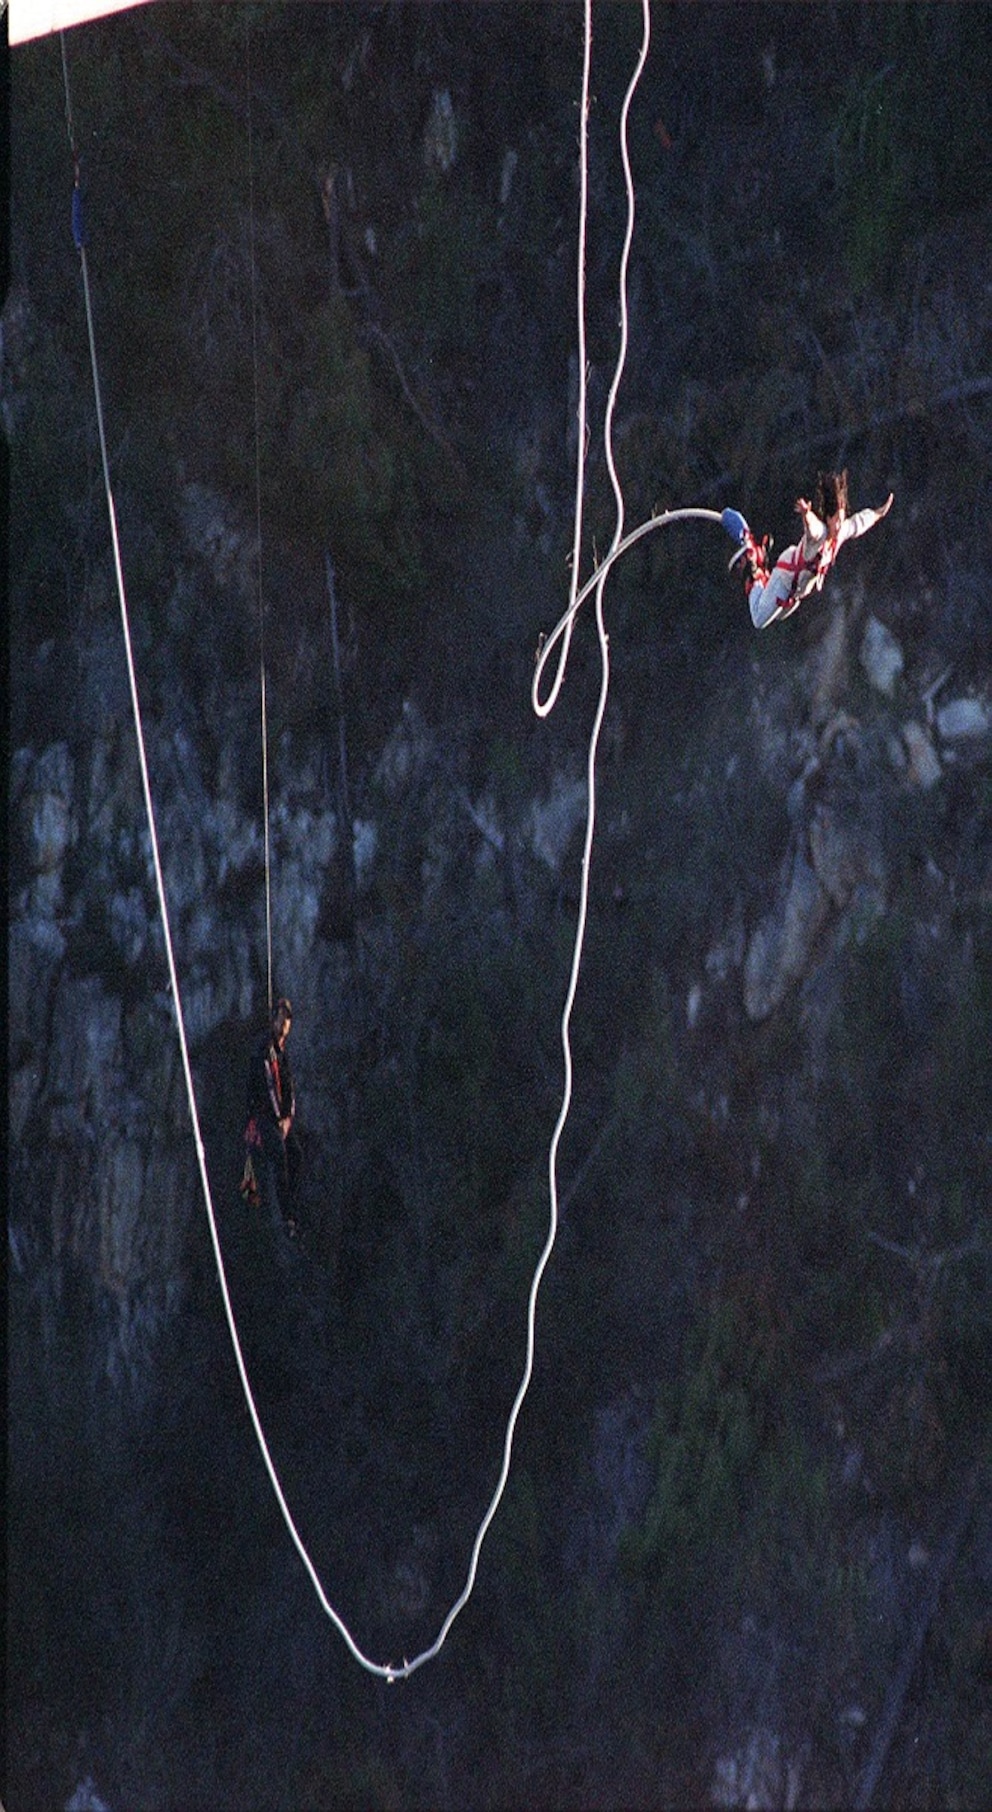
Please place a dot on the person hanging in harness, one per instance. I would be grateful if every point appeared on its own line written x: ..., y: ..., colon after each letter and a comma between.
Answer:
x: 274, y: 1156
x: 803, y: 568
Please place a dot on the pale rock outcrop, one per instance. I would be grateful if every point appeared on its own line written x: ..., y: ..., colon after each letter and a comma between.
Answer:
x: 85, y: 1049
x: 238, y: 838
x: 782, y: 944
x: 828, y: 667
x: 923, y: 767
x: 553, y: 820
x: 838, y: 864
x: 45, y: 810
x: 759, y: 1775
x: 86, y: 1798
x: 441, y: 134
x: 963, y: 718
x: 128, y: 921
x: 209, y: 994
x: 365, y: 842
x: 728, y: 952
x: 405, y: 751
x: 114, y: 812
x: 881, y: 657
x: 114, y: 1177
x: 119, y: 1189
x: 296, y: 900
x: 36, y: 946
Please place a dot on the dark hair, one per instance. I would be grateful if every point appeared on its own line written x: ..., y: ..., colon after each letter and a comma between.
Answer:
x: 831, y: 494
x: 283, y: 1009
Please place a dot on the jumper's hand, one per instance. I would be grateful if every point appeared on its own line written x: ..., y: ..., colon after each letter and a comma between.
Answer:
x: 886, y: 507
x: 803, y: 507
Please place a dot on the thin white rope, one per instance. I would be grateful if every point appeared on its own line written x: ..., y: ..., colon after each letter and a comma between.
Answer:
x: 624, y: 262
x: 167, y: 934
x: 580, y: 280
x: 388, y: 1671
x: 263, y: 684
x: 563, y: 633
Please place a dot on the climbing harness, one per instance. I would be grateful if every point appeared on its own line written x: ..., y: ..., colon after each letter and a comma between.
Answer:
x: 799, y: 568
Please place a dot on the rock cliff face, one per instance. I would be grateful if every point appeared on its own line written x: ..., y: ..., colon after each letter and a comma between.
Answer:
x: 766, y: 1379
x: 841, y: 806
x: 101, y: 1131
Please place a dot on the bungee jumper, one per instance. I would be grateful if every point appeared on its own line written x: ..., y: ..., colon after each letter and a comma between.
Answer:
x: 802, y: 568
x: 273, y: 1154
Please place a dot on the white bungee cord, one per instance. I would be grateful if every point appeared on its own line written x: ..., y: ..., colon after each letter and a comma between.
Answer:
x: 562, y: 635
x: 395, y: 1671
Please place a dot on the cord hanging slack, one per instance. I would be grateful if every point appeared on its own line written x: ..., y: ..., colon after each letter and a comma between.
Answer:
x: 560, y: 639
